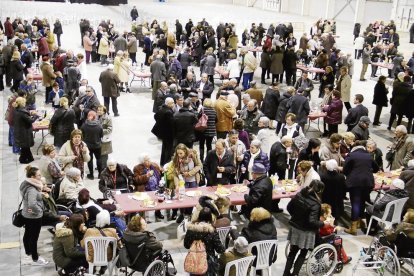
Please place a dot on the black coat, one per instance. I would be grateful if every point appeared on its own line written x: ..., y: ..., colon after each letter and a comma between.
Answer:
x: 163, y: 127
x: 57, y: 28
x: 308, y: 156
x: 16, y: 70
x: 124, y: 178
x: 354, y: 114
x: 23, y: 131
x: 278, y: 160
x: 400, y: 93
x: 183, y: 125
x: 62, y: 125
x: 334, y: 191
x: 210, y: 168
x: 260, y: 195
x: 408, y: 105
x: 299, y: 105
x: 359, y: 168
x: 380, y: 94
x: 271, y: 103
x: 260, y: 231
x: 282, y: 109
x: 92, y: 134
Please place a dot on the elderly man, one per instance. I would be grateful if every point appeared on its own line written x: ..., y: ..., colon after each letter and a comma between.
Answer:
x: 48, y: 76
x: 401, y: 151
x: 219, y: 166
x: 158, y: 74
x: 271, y: 101
x: 26, y: 58
x: 304, y: 85
x: 204, y: 87
x: 266, y: 135
x: 361, y: 131
x: 251, y: 117
x: 355, y: 113
x: 120, y: 43
x: 183, y: 125
x: 366, y: 59
x: 299, y: 105
x: 237, y: 147
x: 109, y: 82
x: 249, y: 65
x: 260, y: 193
x: 225, y: 114
x: 255, y: 93
x: 163, y: 129
x: 160, y: 97
x: 188, y: 85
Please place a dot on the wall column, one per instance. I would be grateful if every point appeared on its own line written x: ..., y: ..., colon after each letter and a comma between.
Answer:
x: 330, y: 9
x: 359, y: 11
x: 305, y: 7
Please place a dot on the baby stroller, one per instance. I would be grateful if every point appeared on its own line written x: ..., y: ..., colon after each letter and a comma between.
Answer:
x: 387, y: 258
x: 325, y: 258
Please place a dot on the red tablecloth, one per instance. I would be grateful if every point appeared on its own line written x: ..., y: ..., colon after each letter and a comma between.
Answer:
x: 310, y: 69
x: 315, y: 115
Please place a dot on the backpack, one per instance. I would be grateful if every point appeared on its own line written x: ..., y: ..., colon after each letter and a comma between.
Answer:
x: 196, y: 259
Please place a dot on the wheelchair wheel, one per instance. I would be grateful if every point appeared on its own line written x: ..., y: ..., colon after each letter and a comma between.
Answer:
x: 339, y: 267
x: 391, y: 264
x: 322, y: 261
x: 156, y: 268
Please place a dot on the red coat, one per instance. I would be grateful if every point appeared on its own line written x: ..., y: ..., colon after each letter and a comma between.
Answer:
x: 43, y: 47
x: 8, y: 29
x: 326, y: 230
x: 334, y: 112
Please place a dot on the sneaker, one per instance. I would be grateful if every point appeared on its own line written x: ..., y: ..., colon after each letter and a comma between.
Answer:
x: 40, y: 262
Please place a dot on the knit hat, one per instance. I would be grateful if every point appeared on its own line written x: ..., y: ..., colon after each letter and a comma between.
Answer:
x: 16, y: 55
x: 259, y: 168
x: 241, y: 245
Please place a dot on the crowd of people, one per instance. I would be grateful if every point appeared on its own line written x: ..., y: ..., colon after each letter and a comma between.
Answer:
x: 244, y: 135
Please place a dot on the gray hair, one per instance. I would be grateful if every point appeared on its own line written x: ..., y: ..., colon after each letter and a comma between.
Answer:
x: 111, y: 162
x: 173, y: 88
x: 371, y: 143
x: 168, y: 100
x: 256, y: 143
x: 285, y: 139
x: 331, y: 165
x: 73, y: 172
x: 143, y: 157
x: 103, y: 219
x: 401, y: 128
x: 264, y: 120
x: 246, y: 97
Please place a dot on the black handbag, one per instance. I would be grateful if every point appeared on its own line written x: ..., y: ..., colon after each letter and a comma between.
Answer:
x: 390, y: 155
x: 17, y: 217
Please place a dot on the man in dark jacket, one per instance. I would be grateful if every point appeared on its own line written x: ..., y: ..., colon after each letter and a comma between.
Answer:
x: 160, y: 97
x: 204, y: 87
x: 163, y: 129
x: 178, y: 30
x: 361, y: 131
x: 219, y: 165
x: 134, y: 13
x: 92, y: 135
x: 185, y: 59
x: 188, y: 85
x: 260, y: 193
x: 278, y: 157
x: 158, y: 74
x: 271, y: 101
x: 282, y: 109
x: 355, y: 113
x: 109, y: 82
x: 251, y: 116
x: 289, y: 64
x: 299, y: 105
x: 183, y: 125
x: 304, y: 85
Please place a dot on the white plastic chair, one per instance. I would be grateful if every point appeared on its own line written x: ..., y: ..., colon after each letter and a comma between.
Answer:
x: 100, y: 247
x: 241, y: 265
x: 396, y: 215
x: 223, y: 233
x: 263, y: 249
x: 156, y: 268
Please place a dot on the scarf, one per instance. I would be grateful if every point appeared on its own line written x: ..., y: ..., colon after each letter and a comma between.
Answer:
x: 251, y: 162
x: 398, y: 143
x: 78, y: 161
x: 38, y: 184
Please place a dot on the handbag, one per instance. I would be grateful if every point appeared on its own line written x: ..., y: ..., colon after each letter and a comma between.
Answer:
x: 17, y: 217
x: 390, y: 155
x: 201, y: 125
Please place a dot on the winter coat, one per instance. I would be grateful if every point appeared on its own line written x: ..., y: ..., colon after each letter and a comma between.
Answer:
x: 16, y: 70
x: 92, y: 134
x: 306, y: 221
x: 379, y: 206
x: 302, y: 83
x: 158, y: 71
x: 69, y: 189
x: 282, y: 109
x: 265, y: 60
x: 407, y: 176
x: 334, y: 112
x: 47, y: 74
x: 334, y: 191
x: 250, y: 63
x: 32, y: 207
x: 361, y: 134
x: 261, y: 158
x: 345, y: 88
x: 42, y: 46
x: 141, y: 178
x: 211, y: 122
x: 400, y: 93
x: 124, y: 177
x: 120, y: 44
x: 66, y: 152
x: 212, y: 162
x: 207, y: 234
x: 163, y: 127
x: 260, y: 230
x: 276, y: 66
x: 87, y: 43
x: 260, y: 194
x: 271, y: 103
x: 225, y: 113
x: 229, y: 256
x: 328, y: 152
x: 183, y: 125
x: 299, y: 105
x: 93, y: 233
x: 109, y: 81
x: 251, y: 120
x: 132, y: 45
x: 121, y: 68
x: 207, y: 65
x: 23, y: 130
x: 65, y: 248
x: 359, y: 168
x: 207, y: 89
x: 106, y: 123
x: 354, y: 114
x: 255, y: 94
x: 403, y: 154
x: 380, y: 94
x: 103, y: 48
x: 185, y: 59
x: 62, y: 125
x: 277, y: 159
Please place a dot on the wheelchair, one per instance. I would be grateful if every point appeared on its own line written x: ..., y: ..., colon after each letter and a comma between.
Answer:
x: 387, y: 258
x: 325, y: 258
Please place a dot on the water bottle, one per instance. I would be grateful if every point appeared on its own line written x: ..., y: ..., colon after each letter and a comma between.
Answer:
x: 181, y: 185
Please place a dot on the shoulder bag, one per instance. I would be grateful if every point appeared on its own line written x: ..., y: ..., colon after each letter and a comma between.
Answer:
x: 17, y: 217
x: 201, y: 125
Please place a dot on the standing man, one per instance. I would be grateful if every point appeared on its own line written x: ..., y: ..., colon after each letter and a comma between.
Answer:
x: 178, y: 31
x: 299, y: 105
x: 57, y: 30
x: 48, y: 76
x: 304, y: 85
x: 8, y: 29
x: 225, y: 113
x: 163, y: 129
x: 87, y: 45
x: 183, y: 125
x: 219, y: 165
x: 158, y: 74
x: 204, y: 87
x: 249, y: 65
x: 109, y: 82
x: 366, y: 59
x: 132, y: 48
x: 355, y: 113
x: 134, y: 13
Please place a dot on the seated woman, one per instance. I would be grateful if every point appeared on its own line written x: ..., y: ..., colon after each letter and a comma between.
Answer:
x: 329, y: 228
x: 252, y: 156
x: 101, y: 229
x: 239, y: 250
x: 306, y: 173
x: 135, y: 234
x: 203, y: 230
x: 49, y: 165
x: 223, y: 205
x: 67, y: 253
x: 406, y: 227
x: 115, y: 176
x: 71, y: 185
x: 260, y: 226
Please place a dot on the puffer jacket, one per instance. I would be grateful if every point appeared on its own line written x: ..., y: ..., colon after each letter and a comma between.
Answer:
x: 206, y: 233
x: 334, y: 112
x: 251, y: 120
x: 64, y: 247
x: 260, y: 231
x: 124, y: 178
x: 32, y: 200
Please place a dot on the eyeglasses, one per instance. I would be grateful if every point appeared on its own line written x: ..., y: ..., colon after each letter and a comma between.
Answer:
x: 88, y: 90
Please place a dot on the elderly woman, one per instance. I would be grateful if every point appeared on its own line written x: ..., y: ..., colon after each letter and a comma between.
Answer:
x: 239, y: 250
x: 333, y: 112
x: 106, y: 123
x: 62, y: 122
x: 346, y: 143
x: 74, y: 153
x: 403, y: 147
x: 334, y: 188
x: 251, y: 157
x: 279, y: 157
x: 71, y: 185
x: 16, y: 71
x: 121, y: 68
x: 23, y: 132
x: 115, y: 176
x: 311, y: 153
x: 376, y: 153
x: 406, y: 227
x: 49, y: 165
x: 136, y: 234
x: 266, y: 135
x: 330, y: 150
x: 103, y: 49
x: 306, y: 173
x: 358, y: 169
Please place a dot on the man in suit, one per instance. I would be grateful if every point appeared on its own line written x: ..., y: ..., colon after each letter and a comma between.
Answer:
x: 183, y: 125
x: 355, y: 113
x: 219, y: 165
x: 204, y: 87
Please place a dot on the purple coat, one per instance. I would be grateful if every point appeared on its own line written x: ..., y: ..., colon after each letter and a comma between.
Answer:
x: 334, y: 112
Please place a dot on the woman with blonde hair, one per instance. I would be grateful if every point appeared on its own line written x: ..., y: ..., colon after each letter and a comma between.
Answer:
x: 16, y: 70
x: 61, y: 124
x: 306, y: 173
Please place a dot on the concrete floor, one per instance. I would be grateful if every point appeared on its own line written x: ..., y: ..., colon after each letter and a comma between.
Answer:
x: 132, y: 135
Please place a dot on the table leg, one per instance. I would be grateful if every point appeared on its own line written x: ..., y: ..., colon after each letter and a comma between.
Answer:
x: 309, y: 122
x: 41, y: 142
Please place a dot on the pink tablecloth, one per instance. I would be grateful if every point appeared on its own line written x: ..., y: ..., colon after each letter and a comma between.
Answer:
x: 310, y: 69
x: 315, y: 115
x: 140, y: 74
x: 383, y: 65
x: 223, y: 73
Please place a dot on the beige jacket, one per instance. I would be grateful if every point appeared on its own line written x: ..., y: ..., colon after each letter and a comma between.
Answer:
x: 250, y: 63
x: 66, y: 153
x: 346, y: 85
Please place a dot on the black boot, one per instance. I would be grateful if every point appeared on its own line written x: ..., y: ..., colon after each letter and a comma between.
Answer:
x: 158, y: 214
x: 289, y: 264
x: 174, y: 214
x: 298, y: 265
